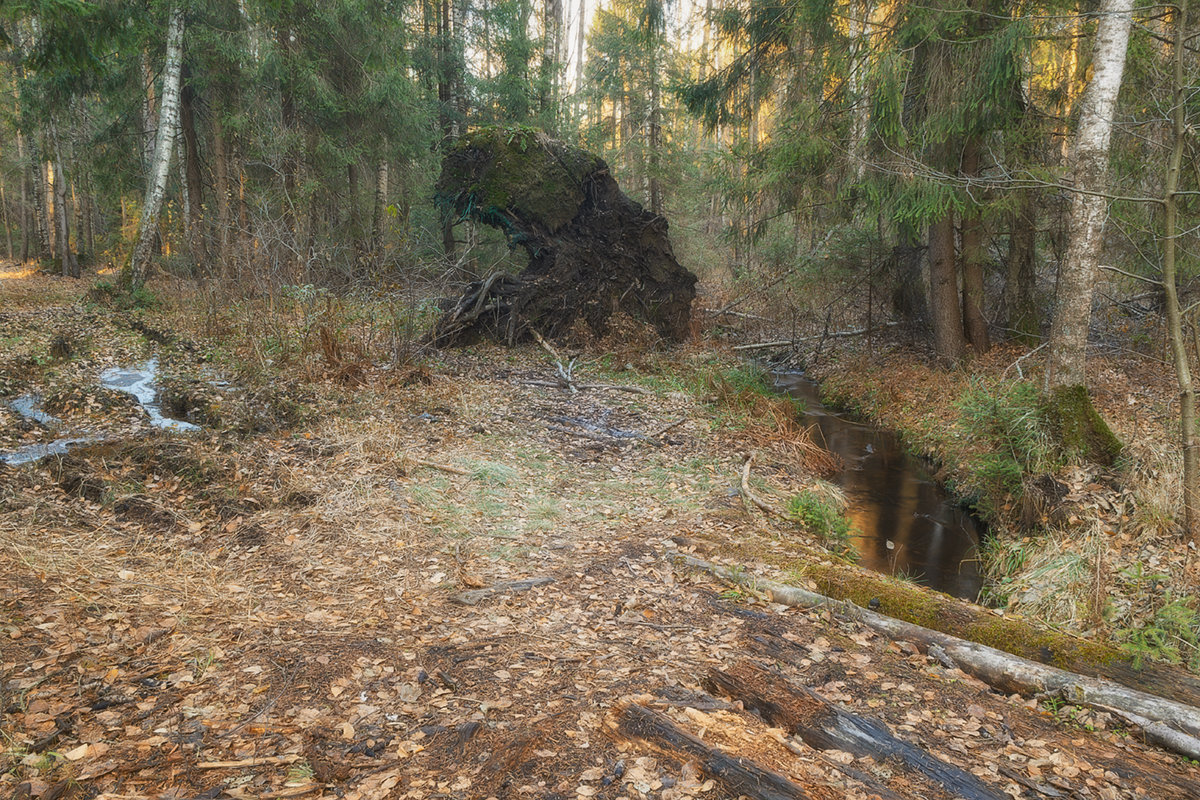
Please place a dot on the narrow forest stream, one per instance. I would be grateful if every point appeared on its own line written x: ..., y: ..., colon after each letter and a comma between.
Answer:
x: 903, y: 521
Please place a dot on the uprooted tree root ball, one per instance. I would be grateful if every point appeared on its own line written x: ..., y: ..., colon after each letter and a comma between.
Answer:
x: 592, y: 250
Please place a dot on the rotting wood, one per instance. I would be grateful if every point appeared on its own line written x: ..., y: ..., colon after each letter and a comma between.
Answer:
x: 823, y: 726
x: 740, y: 776
x: 477, y: 596
x: 1180, y: 723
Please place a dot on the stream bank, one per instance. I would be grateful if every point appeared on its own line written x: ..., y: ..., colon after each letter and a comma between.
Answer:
x: 902, y: 521
x: 1091, y: 550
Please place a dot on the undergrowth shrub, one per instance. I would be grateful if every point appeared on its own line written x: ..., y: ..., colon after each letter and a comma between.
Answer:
x: 820, y: 516
x: 1008, y: 438
x: 1171, y: 635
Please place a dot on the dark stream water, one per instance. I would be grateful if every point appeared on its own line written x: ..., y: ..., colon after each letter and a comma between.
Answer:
x: 904, y: 522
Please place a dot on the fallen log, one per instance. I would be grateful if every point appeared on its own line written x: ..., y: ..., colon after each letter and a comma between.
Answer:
x: 793, y: 342
x: 823, y: 726
x: 1166, y: 723
x: 921, y: 606
x: 740, y: 776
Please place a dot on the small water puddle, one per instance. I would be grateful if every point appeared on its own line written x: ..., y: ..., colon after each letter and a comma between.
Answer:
x: 139, y: 382
x: 904, y: 521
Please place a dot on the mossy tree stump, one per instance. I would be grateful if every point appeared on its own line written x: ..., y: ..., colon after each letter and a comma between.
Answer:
x: 1082, y: 432
x: 592, y: 250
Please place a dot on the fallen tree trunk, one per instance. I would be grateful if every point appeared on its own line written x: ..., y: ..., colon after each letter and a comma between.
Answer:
x: 592, y: 250
x: 1021, y: 637
x: 1166, y: 723
x: 740, y: 776
x: 823, y: 726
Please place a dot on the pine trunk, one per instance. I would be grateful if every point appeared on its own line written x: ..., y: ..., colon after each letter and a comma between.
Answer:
x: 224, y: 227
x: 655, y: 130
x: 70, y: 266
x: 290, y: 166
x: 7, y: 225
x: 975, y: 323
x: 156, y: 186
x: 1020, y: 283
x: 1077, y: 272
x: 25, y: 215
x: 948, y: 341
x: 191, y: 170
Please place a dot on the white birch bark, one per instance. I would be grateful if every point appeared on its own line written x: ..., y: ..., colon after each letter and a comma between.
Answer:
x: 156, y: 184
x: 381, y: 195
x: 1077, y: 273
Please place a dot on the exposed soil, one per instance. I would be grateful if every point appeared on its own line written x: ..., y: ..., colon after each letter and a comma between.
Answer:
x: 276, y: 610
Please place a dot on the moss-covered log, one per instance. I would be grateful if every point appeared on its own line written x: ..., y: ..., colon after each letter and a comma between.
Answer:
x: 592, y: 250
x: 1164, y: 708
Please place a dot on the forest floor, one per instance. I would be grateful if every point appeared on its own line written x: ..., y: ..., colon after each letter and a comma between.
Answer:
x: 316, y: 595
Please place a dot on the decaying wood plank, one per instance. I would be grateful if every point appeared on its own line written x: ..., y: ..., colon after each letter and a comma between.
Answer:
x: 1166, y: 723
x: 823, y: 726
x: 476, y: 596
x: 741, y: 776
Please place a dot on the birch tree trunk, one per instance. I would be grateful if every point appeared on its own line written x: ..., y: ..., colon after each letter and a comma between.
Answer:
x: 156, y: 184
x: 39, y: 198
x: 381, y: 194
x: 1077, y: 272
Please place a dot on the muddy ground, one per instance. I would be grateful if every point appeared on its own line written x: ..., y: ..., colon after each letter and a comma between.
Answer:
x: 315, y: 595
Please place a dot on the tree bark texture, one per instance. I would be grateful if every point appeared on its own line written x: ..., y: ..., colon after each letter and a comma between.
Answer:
x: 948, y: 341
x: 1179, y: 354
x: 1020, y: 282
x: 7, y: 224
x: 973, y: 260
x: 592, y: 250
x: 156, y: 185
x: 823, y: 726
x: 37, y: 169
x: 193, y: 180
x: 70, y: 266
x: 1077, y: 272
x: 223, y: 191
